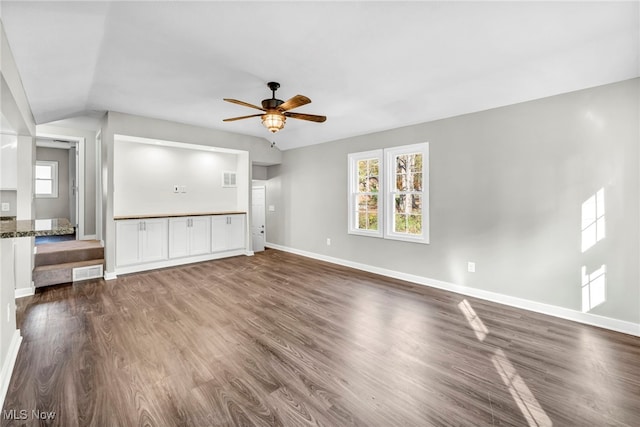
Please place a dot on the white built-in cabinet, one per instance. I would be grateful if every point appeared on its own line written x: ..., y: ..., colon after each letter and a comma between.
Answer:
x: 189, y: 236
x: 227, y: 232
x: 143, y: 244
x: 140, y: 241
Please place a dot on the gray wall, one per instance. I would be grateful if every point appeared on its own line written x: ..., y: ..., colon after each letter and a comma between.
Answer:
x: 55, y: 207
x: 507, y: 186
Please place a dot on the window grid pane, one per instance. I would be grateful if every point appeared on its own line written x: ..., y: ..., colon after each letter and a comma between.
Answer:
x: 366, y: 197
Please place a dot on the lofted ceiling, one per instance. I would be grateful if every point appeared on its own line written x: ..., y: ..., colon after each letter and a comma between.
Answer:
x: 367, y: 65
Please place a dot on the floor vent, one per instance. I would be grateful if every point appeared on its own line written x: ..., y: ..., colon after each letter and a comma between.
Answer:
x: 89, y: 272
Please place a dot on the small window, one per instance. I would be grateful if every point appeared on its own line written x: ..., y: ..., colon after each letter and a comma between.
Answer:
x: 406, y: 190
x: 229, y: 179
x: 46, y: 182
x: 365, y: 201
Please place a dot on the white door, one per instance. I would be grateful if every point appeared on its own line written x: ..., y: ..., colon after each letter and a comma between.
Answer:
x: 154, y: 239
x: 200, y: 235
x: 219, y: 233
x: 178, y: 237
x: 258, y: 218
x: 128, y: 242
x: 235, y: 232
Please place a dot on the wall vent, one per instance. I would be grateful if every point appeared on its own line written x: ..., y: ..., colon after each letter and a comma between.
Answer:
x: 89, y: 272
x: 229, y: 179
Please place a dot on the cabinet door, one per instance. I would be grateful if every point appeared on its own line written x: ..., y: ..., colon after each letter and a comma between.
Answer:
x: 218, y: 233
x: 235, y: 232
x: 178, y: 237
x: 154, y: 240
x: 127, y: 242
x: 200, y: 235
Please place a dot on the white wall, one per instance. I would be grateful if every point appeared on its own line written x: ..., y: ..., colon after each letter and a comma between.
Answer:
x: 145, y: 174
x: 507, y: 187
x: 15, y: 108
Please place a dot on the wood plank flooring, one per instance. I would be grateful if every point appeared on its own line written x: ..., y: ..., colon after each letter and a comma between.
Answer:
x: 281, y: 340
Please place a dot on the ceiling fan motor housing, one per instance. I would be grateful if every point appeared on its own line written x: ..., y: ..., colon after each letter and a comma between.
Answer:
x: 270, y: 104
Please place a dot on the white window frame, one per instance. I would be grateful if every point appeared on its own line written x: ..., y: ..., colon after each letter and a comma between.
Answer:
x: 354, y: 158
x: 386, y: 204
x: 390, y: 155
x: 54, y: 179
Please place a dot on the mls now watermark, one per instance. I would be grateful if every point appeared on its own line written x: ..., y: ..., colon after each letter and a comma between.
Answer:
x: 23, y: 414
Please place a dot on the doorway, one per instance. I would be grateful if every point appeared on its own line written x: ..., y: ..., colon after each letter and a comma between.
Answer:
x: 57, y: 184
x: 258, y: 231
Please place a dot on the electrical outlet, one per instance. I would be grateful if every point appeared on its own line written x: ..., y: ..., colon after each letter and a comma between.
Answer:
x: 471, y: 267
x: 176, y: 188
x: 183, y: 188
x: 328, y: 241
x: 272, y: 208
x: 6, y: 207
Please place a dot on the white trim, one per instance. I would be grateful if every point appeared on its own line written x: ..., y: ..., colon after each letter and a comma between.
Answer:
x: 249, y: 253
x: 9, y: 363
x: 537, y: 307
x: 25, y: 292
x: 46, y: 143
x: 89, y: 237
x: 176, y: 262
x: 167, y: 143
x: 109, y: 275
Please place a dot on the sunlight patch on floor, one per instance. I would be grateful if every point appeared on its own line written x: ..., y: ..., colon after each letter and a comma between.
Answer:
x: 524, y: 398
x: 475, y: 322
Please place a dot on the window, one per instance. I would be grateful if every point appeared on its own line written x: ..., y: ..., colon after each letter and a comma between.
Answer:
x: 365, y: 203
x: 46, y: 184
x: 390, y: 199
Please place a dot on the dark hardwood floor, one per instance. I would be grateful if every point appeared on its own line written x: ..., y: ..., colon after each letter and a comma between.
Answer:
x: 278, y: 339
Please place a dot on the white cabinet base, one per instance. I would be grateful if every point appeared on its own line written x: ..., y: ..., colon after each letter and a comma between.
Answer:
x: 179, y: 261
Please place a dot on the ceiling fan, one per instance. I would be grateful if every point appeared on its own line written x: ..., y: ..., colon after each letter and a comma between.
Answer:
x: 276, y: 111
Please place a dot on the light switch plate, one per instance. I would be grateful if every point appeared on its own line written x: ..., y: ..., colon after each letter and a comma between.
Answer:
x: 6, y: 207
x: 272, y: 208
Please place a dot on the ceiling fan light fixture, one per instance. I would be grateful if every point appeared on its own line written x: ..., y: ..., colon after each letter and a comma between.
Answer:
x: 273, y: 120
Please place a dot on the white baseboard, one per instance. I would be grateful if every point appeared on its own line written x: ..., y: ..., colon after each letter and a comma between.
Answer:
x: 88, y: 237
x: 109, y: 275
x: 8, y: 364
x: 538, y: 307
x: 25, y: 292
x: 249, y: 253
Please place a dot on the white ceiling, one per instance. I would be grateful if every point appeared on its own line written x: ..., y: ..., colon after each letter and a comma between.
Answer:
x: 367, y: 66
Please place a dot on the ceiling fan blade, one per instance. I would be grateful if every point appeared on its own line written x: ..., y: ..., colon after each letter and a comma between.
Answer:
x: 295, y: 102
x: 309, y: 117
x: 240, y: 118
x: 246, y: 104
